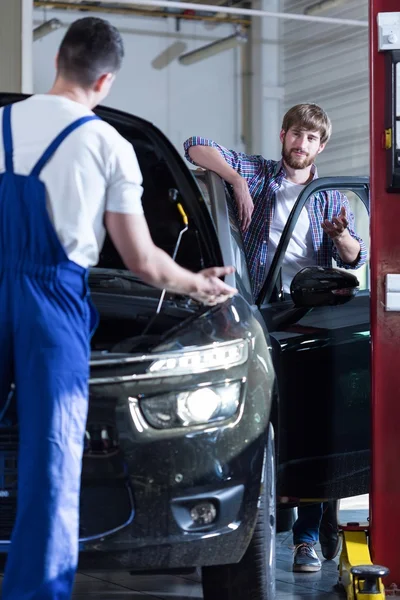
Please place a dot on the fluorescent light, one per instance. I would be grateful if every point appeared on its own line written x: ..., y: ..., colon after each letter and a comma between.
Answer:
x: 232, y: 41
x: 168, y: 55
x: 315, y: 9
x: 46, y: 28
x: 233, y: 10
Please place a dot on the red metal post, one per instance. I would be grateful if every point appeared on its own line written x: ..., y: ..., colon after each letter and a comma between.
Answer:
x: 385, y: 327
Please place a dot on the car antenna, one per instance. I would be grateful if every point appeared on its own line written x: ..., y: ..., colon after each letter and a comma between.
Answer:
x: 173, y: 197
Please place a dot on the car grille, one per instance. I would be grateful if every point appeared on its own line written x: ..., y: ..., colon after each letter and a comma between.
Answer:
x: 8, y: 479
x: 7, y: 517
x: 114, y: 510
x: 8, y: 439
x: 104, y: 506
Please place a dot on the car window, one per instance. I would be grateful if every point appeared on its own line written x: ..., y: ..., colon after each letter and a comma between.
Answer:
x: 220, y: 206
x: 201, y: 182
x: 361, y: 220
x: 356, y: 189
x: 240, y: 260
x: 361, y: 228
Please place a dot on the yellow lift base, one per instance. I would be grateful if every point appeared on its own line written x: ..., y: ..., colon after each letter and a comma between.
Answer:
x: 360, y: 579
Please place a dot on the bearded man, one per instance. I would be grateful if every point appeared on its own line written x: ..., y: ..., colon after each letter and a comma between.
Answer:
x: 264, y: 192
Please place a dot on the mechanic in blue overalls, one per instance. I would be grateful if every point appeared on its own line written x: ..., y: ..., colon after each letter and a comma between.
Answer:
x: 64, y: 174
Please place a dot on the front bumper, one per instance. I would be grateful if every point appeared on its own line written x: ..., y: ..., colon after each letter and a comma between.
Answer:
x: 168, y: 472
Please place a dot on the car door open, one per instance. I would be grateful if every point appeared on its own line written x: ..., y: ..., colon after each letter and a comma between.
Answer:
x: 321, y: 353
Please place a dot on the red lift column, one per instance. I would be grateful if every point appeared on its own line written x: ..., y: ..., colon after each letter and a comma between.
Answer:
x: 385, y: 326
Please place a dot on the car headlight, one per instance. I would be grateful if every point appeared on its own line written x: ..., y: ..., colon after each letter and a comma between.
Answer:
x: 203, y: 405
x: 206, y: 358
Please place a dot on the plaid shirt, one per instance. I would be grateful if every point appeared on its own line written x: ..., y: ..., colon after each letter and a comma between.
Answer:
x: 264, y: 178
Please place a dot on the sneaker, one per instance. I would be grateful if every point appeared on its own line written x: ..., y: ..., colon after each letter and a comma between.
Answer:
x: 329, y: 537
x: 306, y: 559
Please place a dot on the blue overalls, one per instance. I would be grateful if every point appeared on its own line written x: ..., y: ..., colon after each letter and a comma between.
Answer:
x: 45, y: 327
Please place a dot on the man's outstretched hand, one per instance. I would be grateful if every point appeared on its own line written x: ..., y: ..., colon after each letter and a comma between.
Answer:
x: 211, y: 290
x: 337, y: 226
x: 348, y: 247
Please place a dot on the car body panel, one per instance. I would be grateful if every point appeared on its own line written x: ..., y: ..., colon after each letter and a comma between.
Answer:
x: 323, y: 372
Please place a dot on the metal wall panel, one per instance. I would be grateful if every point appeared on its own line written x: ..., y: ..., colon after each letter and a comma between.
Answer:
x: 328, y: 64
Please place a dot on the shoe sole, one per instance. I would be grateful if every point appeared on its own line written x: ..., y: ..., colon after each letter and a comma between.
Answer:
x: 332, y: 555
x: 306, y: 569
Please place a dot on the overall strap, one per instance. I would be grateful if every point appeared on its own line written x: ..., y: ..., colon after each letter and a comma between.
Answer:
x: 7, y: 138
x: 48, y: 153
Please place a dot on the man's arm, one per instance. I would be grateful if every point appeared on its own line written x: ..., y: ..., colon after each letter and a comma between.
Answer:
x: 349, y: 249
x: 211, y: 158
x: 131, y: 237
x: 236, y: 168
x: 347, y: 246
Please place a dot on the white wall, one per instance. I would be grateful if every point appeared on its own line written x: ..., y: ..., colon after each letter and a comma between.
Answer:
x: 15, y: 46
x: 201, y: 99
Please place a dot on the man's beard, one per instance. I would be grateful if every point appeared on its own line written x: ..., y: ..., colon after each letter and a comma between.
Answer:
x: 294, y: 161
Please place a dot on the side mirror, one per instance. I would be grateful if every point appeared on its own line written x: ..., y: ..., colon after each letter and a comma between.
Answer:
x: 319, y: 286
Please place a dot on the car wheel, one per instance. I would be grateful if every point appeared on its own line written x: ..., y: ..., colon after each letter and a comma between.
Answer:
x: 253, y: 578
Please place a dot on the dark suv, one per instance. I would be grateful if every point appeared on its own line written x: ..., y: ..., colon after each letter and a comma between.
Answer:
x: 198, y: 416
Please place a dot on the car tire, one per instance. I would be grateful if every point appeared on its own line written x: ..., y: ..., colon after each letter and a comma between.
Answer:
x: 253, y: 578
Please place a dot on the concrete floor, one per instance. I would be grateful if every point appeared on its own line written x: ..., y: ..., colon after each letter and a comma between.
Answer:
x: 290, y: 586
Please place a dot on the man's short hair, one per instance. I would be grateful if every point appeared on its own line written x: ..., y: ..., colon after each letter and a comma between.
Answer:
x: 91, y: 47
x: 309, y: 117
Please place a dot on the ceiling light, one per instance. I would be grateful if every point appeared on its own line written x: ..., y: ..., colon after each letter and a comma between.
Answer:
x: 168, y: 55
x: 232, y: 41
x: 46, y: 28
x: 318, y: 7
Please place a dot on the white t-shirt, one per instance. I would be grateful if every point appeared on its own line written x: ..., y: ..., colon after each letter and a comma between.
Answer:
x: 94, y: 169
x: 300, y: 251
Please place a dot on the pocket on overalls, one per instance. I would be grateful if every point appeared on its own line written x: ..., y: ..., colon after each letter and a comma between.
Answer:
x: 92, y: 312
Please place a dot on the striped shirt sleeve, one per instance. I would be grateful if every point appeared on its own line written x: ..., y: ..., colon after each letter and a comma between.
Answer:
x: 362, y: 257
x: 246, y: 165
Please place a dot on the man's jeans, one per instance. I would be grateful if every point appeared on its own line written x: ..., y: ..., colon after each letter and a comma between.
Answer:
x: 306, y: 528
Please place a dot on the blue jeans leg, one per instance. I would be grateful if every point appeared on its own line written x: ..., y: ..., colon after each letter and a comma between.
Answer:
x: 306, y: 528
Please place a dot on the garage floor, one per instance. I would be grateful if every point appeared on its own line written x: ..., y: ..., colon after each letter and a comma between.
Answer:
x: 290, y: 586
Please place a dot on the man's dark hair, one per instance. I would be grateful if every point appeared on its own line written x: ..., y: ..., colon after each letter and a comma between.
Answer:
x: 90, y: 48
